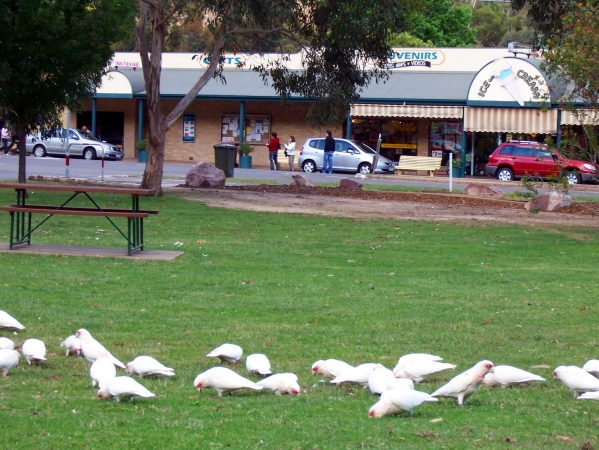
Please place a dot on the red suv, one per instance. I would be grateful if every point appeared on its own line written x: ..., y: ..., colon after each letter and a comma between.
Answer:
x: 516, y: 159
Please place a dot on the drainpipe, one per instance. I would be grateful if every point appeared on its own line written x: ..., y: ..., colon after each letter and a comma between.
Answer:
x: 94, y: 111
x: 348, y: 124
x: 242, y: 122
x: 140, y: 121
x: 558, y: 139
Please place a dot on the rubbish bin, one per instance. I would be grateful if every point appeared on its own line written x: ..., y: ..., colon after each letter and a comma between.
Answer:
x: 142, y: 156
x: 224, y: 158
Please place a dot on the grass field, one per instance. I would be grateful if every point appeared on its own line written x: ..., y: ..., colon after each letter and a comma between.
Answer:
x: 301, y: 288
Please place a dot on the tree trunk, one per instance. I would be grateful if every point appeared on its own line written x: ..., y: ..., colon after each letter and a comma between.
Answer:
x: 22, y: 133
x: 152, y: 178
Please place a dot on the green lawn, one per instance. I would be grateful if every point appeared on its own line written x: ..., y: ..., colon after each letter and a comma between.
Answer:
x: 301, y: 288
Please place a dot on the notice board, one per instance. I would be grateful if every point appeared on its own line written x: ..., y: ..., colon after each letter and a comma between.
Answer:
x: 257, y: 128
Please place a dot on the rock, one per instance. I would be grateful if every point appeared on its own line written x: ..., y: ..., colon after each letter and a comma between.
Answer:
x: 300, y: 180
x: 548, y: 202
x: 482, y: 190
x: 346, y: 183
x: 205, y: 175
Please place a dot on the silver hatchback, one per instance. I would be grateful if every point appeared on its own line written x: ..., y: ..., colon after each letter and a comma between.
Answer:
x: 349, y: 156
x: 81, y: 143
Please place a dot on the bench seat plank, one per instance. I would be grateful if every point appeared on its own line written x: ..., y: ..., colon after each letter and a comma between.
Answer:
x: 424, y: 163
x: 81, y: 208
x: 74, y: 212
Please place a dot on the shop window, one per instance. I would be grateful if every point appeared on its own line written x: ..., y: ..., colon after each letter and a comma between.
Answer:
x: 445, y: 137
x: 398, y: 137
x: 257, y: 128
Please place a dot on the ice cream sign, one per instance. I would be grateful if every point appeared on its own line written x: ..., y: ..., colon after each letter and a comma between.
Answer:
x: 508, y: 80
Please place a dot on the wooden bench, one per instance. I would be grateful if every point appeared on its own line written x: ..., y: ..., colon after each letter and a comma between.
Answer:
x: 424, y: 163
x: 21, y: 227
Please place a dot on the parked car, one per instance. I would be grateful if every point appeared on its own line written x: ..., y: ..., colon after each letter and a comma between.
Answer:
x: 81, y: 143
x: 513, y: 160
x: 349, y: 156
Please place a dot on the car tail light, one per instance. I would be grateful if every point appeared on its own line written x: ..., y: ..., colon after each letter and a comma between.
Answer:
x: 302, y: 150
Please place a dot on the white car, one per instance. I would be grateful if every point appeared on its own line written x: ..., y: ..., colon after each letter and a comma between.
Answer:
x: 81, y: 143
x: 349, y: 156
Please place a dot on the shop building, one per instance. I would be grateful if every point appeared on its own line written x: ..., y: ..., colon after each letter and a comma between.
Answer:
x: 435, y: 101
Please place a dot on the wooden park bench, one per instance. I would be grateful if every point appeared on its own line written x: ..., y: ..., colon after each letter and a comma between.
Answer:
x: 423, y: 163
x: 21, y: 227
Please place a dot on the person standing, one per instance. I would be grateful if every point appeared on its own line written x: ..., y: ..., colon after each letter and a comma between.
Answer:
x: 273, y: 150
x: 4, y: 136
x: 329, y: 149
x: 290, y: 149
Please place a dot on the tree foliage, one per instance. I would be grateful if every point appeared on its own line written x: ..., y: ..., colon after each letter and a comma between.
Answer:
x: 443, y: 24
x: 52, y: 53
x: 343, y: 45
x: 573, y: 61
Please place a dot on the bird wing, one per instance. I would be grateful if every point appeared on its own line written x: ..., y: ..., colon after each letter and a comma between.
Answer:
x: 507, y: 375
x: 456, y: 385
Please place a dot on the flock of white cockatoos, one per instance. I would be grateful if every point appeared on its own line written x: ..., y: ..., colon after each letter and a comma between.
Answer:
x: 395, y: 387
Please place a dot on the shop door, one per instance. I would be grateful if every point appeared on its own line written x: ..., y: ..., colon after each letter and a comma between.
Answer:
x: 110, y: 126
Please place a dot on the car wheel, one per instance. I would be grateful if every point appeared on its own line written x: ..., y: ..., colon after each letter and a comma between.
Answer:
x: 89, y: 154
x: 505, y: 174
x: 309, y: 166
x: 573, y: 177
x: 39, y: 151
x: 364, y: 168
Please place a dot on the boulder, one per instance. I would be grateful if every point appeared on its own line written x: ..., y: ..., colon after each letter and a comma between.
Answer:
x: 205, y: 175
x: 548, y: 202
x: 300, y: 180
x: 482, y: 190
x: 346, y: 183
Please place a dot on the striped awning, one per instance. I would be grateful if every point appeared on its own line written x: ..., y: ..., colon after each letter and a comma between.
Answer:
x: 420, y: 111
x: 510, y: 120
x: 582, y: 116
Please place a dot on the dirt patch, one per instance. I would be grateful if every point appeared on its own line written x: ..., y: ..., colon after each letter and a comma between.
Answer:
x: 358, y: 204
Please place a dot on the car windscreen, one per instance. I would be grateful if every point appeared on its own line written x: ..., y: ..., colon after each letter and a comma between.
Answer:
x: 363, y: 147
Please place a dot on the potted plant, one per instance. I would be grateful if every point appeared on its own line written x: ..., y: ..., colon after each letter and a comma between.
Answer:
x: 245, y: 160
x: 456, y: 169
x: 142, y: 153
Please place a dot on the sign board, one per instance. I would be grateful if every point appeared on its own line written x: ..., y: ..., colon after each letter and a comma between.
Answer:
x: 257, y: 128
x: 189, y: 127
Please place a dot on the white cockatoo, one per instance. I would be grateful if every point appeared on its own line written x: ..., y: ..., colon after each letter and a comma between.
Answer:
x: 258, y: 363
x: 404, y: 359
x: 576, y: 379
x: 72, y: 344
x: 34, y: 350
x: 123, y: 387
x: 8, y: 360
x: 465, y: 384
x: 395, y: 401
x: 281, y: 383
x: 101, y: 370
x: 379, y: 378
x: 506, y: 376
x: 330, y: 368
x: 90, y: 348
x: 592, y: 367
x: 400, y: 383
x: 223, y: 380
x: 357, y: 375
x: 6, y: 344
x: 230, y: 353
x: 147, y: 366
x: 593, y: 395
x: 8, y: 321
x: 419, y: 370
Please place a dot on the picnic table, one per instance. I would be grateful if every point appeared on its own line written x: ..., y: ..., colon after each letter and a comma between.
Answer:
x: 22, y: 227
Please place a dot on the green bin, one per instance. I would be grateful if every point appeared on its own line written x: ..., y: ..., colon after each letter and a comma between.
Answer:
x: 142, y: 156
x: 224, y: 158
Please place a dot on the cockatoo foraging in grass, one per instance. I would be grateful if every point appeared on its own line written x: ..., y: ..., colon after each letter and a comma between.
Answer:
x: 258, y: 363
x: 8, y: 360
x: 395, y: 401
x: 576, y: 379
x: 357, y: 375
x: 145, y: 366
x: 379, y: 379
x: 6, y: 344
x: 404, y: 359
x: 72, y: 344
x: 90, y: 348
x: 223, y: 380
x: 281, y: 383
x: 8, y: 321
x: 400, y: 383
x: 123, y: 387
x: 101, y: 370
x: 592, y: 367
x: 419, y: 370
x: 330, y: 368
x: 465, y: 384
x: 34, y: 350
x: 230, y: 353
x: 506, y: 376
